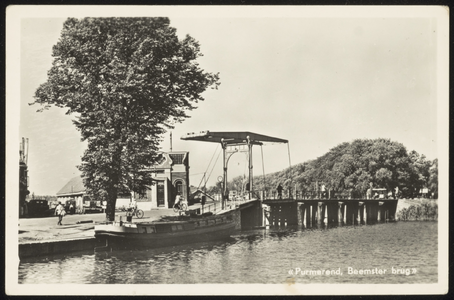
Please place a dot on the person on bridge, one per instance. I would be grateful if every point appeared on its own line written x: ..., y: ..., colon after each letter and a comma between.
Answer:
x: 60, y: 212
x: 279, y: 191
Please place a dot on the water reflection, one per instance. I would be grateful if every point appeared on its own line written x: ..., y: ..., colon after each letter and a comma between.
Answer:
x: 255, y: 256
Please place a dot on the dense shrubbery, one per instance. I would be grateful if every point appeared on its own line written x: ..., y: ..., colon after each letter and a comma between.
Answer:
x: 427, y: 210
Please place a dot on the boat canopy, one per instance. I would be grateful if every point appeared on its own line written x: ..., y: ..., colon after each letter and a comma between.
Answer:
x: 231, y: 137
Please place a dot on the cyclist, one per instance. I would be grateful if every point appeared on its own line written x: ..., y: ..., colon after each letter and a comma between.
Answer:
x: 133, y: 205
x: 179, y: 202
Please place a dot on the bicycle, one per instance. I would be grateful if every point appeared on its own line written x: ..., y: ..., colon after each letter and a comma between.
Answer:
x: 180, y: 207
x: 137, y: 213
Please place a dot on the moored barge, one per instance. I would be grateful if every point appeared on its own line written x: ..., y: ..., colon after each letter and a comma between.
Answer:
x: 165, y: 232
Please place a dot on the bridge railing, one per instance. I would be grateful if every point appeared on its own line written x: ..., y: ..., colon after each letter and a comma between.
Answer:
x: 212, y: 207
x: 302, y: 195
x: 217, y: 206
x: 234, y: 203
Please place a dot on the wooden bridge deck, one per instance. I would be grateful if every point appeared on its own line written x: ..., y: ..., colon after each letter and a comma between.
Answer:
x: 291, y: 200
x: 311, y: 212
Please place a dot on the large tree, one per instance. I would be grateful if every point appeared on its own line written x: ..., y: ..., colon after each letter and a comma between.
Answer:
x: 127, y: 80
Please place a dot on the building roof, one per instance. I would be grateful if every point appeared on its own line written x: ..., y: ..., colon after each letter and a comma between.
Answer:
x: 166, y: 160
x: 231, y: 137
x: 74, y: 186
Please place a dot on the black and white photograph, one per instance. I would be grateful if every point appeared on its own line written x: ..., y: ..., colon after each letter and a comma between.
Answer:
x: 226, y: 150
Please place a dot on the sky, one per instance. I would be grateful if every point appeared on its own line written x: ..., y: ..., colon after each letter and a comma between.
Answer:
x: 315, y: 79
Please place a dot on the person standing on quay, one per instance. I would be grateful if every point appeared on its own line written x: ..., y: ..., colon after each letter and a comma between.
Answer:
x: 60, y: 212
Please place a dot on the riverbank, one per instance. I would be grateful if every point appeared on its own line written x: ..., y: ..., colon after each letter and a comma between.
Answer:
x: 417, y: 209
x: 42, y: 236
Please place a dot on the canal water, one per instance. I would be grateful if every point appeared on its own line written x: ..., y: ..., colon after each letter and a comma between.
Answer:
x: 400, y: 252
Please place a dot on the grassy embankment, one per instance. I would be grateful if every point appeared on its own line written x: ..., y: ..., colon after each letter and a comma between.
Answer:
x: 417, y: 210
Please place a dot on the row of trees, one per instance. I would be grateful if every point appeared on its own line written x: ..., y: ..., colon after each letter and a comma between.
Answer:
x: 351, y: 167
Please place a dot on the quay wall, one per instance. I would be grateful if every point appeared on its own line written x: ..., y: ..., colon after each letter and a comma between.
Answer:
x: 33, y: 249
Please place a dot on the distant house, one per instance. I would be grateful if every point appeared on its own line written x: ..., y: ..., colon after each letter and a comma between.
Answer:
x: 73, y: 190
x: 76, y: 191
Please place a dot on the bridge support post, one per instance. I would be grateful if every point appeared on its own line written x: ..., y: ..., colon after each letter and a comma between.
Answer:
x: 252, y: 217
x: 361, y: 212
x: 372, y: 211
x: 380, y: 212
x: 301, y: 211
x: 392, y: 206
x: 333, y: 212
x: 352, y: 213
x: 308, y: 215
x: 340, y: 212
x: 365, y: 213
x: 345, y: 213
x: 320, y: 213
x: 313, y: 214
x: 291, y: 214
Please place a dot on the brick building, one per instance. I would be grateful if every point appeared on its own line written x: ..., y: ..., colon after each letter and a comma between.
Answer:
x: 170, y: 176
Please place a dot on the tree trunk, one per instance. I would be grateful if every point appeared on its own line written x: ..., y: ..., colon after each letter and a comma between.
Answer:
x: 112, y: 193
x: 111, y: 202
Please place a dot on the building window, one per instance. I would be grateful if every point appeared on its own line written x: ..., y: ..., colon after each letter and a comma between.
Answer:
x: 177, y: 158
x: 179, y: 187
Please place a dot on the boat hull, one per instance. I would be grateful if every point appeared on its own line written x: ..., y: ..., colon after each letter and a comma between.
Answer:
x: 161, y: 234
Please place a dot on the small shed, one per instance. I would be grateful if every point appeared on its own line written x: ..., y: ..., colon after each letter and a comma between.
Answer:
x: 73, y: 190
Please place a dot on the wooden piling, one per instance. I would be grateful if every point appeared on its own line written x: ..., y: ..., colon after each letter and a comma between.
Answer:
x: 361, y: 212
x: 324, y: 212
x: 333, y: 212
x: 392, y: 206
x: 308, y: 215
x: 313, y: 214
x: 300, y: 213
x: 291, y: 214
x: 365, y: 213
x: 345, y: 214
x: 352, y: 213
x: 372, y: 211
x: 340, y: 212
x: 380, y: 212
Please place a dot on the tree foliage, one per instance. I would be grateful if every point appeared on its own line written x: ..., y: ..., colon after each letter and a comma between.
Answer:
x: 127, y: 80
x: 433, y: 177
x: 349, y: 169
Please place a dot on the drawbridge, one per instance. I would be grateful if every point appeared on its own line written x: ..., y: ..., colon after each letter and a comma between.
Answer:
x: 231, y: 143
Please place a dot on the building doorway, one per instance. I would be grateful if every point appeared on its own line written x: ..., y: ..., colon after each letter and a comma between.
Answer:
x: 160, y: 194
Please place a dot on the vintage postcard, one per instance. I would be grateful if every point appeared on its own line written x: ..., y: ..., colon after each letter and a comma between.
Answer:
x: 226, y: 150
